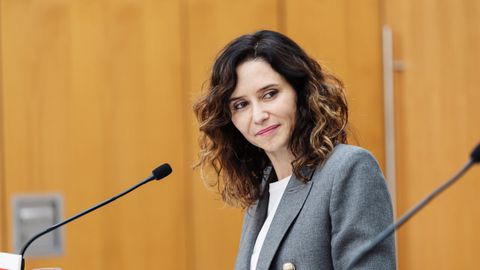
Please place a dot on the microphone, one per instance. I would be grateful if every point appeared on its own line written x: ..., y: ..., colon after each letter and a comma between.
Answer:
x: 157, y: 174
x: 474, y: 158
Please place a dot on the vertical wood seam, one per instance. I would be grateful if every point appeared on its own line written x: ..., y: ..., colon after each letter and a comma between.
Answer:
x: 281, y: 16
x: 3, y: 193
x: 186, y: 122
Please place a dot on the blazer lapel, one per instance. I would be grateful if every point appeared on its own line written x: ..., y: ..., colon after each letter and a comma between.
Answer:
x: 259, y: 214
x: 290, y: 205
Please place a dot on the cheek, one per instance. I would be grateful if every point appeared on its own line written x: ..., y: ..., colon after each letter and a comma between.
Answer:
x: 240, y: 123
x: 291, y: 115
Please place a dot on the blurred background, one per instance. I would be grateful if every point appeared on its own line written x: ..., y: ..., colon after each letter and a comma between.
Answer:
x: 96, y: 93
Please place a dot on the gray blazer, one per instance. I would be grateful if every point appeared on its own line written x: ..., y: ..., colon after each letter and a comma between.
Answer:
x: 322, y: 223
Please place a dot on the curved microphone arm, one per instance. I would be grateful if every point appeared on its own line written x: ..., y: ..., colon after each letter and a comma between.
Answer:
x: 157, y: 174
x: 390, y: 229
x: 91, y: 209
x: 474, y: 158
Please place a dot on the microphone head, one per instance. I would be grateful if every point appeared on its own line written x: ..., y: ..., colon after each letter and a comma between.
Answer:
x: 475, y: 155
x: 162, y: 171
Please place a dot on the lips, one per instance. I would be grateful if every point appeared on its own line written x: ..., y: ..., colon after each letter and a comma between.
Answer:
x: 267, y: 130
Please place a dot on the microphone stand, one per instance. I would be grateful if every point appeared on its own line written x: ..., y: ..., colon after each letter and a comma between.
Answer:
x: 474, y: 158
x: 157, y: 174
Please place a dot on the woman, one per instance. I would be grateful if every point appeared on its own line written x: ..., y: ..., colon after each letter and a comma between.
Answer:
x: 273, y: 127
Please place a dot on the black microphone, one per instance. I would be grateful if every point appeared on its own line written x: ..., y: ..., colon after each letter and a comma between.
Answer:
x: 157, y: 174
x: 474, y: 158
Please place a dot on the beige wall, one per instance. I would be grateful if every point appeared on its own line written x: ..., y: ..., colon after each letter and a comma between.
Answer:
x: 96, y: 93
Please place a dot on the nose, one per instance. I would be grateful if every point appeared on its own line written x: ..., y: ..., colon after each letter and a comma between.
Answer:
x: 259, y: 114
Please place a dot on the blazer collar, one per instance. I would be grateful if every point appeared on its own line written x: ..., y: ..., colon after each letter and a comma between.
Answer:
x: 290, y: 205
x: 258, y: 214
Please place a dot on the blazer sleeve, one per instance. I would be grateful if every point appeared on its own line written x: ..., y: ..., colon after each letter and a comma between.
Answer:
x: 360, y: 208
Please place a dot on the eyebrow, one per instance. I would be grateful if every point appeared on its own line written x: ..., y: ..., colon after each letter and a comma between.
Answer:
x: 261, y: 89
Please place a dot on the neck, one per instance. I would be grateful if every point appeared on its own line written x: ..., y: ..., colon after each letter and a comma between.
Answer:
x: 282, y: 163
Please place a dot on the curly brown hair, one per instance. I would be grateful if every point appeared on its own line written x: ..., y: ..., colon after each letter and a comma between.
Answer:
x: 320, y: 124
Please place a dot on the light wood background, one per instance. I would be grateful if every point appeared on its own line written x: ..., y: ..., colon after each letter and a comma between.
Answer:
x: 91, y: 94
x: 437, y: 117
x: 94, y: 94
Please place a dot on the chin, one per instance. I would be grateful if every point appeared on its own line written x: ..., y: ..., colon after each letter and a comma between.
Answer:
x: 274, y: 149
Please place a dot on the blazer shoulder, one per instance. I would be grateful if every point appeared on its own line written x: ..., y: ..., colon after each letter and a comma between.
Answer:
x: 345, y: 156
x: 342, y: 151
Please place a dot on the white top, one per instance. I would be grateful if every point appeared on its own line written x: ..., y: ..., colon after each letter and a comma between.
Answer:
x: 276, y: 190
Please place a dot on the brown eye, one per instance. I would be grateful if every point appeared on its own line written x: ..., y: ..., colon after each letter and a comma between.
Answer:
x: 239, y: 105
x: 270, y: 94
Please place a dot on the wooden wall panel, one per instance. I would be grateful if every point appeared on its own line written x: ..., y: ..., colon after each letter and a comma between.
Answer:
x: 437, y: 126
x: 92, y: 102
x: 95, y: 93
x: 3, y: 194
x: 211, y: 25
x: 345, y: 36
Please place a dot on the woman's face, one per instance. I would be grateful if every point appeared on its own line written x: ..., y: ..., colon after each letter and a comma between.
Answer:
x: 263, y: 107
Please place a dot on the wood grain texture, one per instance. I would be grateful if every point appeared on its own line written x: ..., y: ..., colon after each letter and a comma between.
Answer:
x: 95, y: 93
x: 3, y: 193
x: 345, y: 37
x: 437, y: 126
x: 90, y: 100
